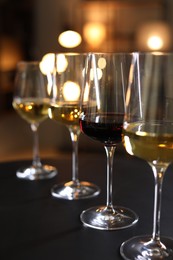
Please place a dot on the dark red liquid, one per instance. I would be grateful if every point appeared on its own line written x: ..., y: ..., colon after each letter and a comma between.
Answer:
x: 107, y: 130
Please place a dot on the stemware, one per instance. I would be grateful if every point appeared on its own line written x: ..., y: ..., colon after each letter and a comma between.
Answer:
x: 148, y: 134
x: 31, y: 101
x: 67, y: 79
x: 101, y: 118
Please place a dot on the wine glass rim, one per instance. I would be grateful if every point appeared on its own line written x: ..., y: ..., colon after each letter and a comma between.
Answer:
x: 89, y: 53
x: 70, y: 53
x: 153, y: 53
x: 109, y: 54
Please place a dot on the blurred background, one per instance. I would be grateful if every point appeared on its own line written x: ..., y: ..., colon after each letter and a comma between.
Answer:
x: 29, y: 30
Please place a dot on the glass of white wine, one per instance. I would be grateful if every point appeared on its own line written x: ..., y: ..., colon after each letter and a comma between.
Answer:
x: 31, y: 101
x: 67, y: 80
x: 148, y: 134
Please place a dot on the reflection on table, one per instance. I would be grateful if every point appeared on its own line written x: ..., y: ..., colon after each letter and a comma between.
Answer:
x: 36, y: 226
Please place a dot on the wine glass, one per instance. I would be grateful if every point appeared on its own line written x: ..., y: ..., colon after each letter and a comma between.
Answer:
x: 148, y: 134
x: 67, y: 81
x: 31, y: 101
x: 101, y: 118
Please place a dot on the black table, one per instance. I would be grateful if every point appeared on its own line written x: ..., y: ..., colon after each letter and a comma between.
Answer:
x: 36, y: 226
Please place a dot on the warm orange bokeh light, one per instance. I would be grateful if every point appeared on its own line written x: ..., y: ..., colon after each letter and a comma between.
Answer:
x: 154, y: 36
x: 155, y: 42
x: 94, y: 33
x: 69, y: 39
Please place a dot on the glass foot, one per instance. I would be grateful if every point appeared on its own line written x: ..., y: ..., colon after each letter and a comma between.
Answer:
x: 37, y: 173
x: 73, y: 191
x: 144, y: 248
x: 108, y: 219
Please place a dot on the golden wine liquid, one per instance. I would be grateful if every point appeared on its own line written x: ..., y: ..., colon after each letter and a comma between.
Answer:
x: 153, y: 143
x: 32, y: 110
x: 67, y: 114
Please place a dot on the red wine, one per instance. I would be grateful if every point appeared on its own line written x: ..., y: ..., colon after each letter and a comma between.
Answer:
x: 106, y: 129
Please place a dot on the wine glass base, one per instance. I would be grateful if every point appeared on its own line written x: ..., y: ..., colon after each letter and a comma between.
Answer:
x: 105, y: 219
x: 73, y: 191
x: 142, y: 247
x: 37, y: 173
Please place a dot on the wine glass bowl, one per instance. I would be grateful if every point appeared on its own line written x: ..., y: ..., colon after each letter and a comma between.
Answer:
x: 66, y: 89
x: 101, y: 118
x: 148, y: 134
x: 31, y: 102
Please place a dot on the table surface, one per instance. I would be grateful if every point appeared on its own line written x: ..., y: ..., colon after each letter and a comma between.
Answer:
x: 34, y: 225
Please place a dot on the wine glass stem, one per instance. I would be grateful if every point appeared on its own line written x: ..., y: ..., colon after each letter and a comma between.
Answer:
x: 158, y: 176
x: 36, y: 157
x: 74, y: 137
x: 110, y: 158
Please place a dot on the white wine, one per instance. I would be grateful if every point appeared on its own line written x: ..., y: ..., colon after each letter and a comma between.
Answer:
x: 67, y: 114
x: 33, y: 110
x: 151, y: 142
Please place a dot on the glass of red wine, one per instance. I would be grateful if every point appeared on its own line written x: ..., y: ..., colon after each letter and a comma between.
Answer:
x: 101, y: 118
